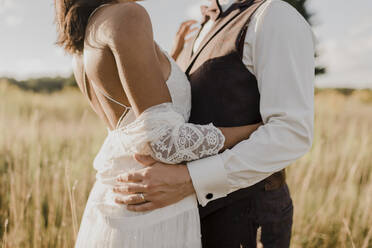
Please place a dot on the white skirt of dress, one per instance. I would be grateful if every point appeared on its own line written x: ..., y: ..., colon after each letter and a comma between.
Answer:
x: 106, y: 224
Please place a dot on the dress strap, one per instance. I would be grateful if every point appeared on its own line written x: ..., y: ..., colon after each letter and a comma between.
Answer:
x: 108, y: 96
x: 95, y: 11
x: 126, y: 108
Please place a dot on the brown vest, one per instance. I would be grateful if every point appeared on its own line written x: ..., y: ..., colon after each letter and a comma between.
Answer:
x: 224, y: 91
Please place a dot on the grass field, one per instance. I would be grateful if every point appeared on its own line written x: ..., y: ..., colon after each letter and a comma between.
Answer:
x: 48, y: 142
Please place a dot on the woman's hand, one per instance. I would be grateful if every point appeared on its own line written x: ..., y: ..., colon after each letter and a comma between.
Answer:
x: 181, y: 37
x: 235, y: 135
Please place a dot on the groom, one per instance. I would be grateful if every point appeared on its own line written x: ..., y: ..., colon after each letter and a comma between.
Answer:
x: 252, y: 61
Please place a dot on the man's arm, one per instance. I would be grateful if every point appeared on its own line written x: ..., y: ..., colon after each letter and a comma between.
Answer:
x: 282, y: 51
x: 280, y: 45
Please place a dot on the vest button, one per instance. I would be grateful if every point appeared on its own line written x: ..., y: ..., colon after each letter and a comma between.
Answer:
x: 209, y: 196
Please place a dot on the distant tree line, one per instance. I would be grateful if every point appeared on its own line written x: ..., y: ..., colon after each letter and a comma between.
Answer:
x: 43, y: 84
x: 51, y: 84
x: 54, y: 84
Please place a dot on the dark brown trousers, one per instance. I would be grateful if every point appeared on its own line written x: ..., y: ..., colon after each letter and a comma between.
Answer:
x: 236, y: 225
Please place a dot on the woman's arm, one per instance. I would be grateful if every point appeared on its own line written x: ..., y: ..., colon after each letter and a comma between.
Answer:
x: 128, y: 33
x: 187, y: 141
x: 184, y: 31
x: 235, y: 135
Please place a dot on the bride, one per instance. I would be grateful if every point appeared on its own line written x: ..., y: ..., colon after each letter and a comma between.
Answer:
x: 144, y: 98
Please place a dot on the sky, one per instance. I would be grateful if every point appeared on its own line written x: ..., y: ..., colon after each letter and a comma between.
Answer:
x: 343, y: 29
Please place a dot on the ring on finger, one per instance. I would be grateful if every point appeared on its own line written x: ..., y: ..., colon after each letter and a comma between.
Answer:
x: 142, y: 196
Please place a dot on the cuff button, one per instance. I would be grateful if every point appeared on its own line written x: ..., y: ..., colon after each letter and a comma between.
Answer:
x: 209, y: 196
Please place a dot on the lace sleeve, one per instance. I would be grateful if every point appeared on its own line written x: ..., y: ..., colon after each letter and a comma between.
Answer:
x: 163, y: 133
x: 187, y: 142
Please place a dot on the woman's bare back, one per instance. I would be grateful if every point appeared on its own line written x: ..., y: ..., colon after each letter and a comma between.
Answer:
x: 98, y: 68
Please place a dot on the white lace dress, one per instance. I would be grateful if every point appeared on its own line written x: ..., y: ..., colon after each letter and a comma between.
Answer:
x: 161, y: 131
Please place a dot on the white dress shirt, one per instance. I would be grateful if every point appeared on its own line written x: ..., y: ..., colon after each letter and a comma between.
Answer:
x: 279, y: 51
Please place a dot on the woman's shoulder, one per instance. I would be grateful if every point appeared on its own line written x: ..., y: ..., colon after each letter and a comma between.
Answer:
x: 117, y: 19
x: 129, y: 11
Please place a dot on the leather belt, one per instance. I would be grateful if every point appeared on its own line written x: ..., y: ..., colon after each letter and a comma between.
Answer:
x: 275, y: 181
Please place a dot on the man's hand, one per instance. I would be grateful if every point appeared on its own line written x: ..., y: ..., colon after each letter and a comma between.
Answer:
x: 156, y: 186
x: 180, y: 39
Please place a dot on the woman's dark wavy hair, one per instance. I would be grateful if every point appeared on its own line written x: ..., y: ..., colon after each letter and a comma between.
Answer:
x: 72, y: 19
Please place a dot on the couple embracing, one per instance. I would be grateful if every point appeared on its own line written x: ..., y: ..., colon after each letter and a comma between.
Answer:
x: 198, y: 140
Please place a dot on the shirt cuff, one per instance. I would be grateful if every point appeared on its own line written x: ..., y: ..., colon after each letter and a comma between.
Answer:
x: 209, y: 179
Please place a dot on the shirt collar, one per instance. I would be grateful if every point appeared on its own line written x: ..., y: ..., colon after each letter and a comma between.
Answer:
x: 225, y: 4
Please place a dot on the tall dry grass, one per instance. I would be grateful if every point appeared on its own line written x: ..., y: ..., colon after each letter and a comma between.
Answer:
x: 48, y: 142
x: 332, y: 184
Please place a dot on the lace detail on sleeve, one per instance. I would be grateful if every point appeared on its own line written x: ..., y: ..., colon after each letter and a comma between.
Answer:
x: 162, y: 132
x: 188, y: 142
